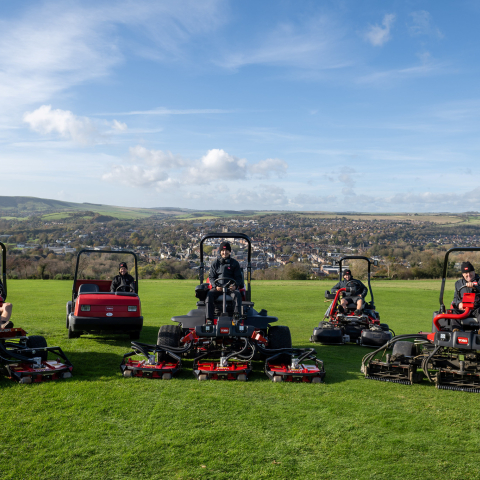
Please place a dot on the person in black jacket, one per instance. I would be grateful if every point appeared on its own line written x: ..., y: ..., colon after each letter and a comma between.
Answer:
x: 357, y: 297
x: 124, y: 279
x: 5, y: 310
x: 468, y: 281
x: 224, y: 266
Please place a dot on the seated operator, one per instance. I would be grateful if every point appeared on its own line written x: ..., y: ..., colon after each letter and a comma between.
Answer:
x: 123, y: 280
x: 468, y: 280
x: 227, y: 267
x: 357, y: 297
x: 5, y: 310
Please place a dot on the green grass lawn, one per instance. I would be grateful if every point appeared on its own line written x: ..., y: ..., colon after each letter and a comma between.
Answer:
x: 99, y: 425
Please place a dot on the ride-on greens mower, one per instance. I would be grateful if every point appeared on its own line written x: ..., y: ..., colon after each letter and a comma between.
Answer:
x: 448, y: 356
x: 338, y: 328
x: 94, y: 309
x: 25, y: 358
x: 223, y: 349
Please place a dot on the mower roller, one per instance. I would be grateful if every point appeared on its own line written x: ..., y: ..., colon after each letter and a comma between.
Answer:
x: 24, y: 358
x: 338, y: 328
x: 449, y: 356
x: 223, y: 349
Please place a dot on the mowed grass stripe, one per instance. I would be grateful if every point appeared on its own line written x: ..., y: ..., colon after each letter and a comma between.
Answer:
x: 100, y: 425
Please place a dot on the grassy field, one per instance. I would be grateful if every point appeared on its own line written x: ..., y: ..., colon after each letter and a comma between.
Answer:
x: 99, y: 425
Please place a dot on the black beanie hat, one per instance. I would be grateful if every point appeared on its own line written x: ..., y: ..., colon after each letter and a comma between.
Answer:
x: 347, y: 272
x: 122, y: 264
x: 225, y: 246
x: 467, y: 267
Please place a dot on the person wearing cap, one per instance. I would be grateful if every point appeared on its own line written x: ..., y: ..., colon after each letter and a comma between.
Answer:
x: 359, y: 293
x: 123, y: 280
x: 224, y: 266
x: 468, y: 281
x: 5, y: 310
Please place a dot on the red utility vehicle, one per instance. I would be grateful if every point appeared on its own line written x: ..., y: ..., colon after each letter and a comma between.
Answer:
x: 96, y: 309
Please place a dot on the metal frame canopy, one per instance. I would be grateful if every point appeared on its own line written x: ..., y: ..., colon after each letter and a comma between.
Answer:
x: 4, y: 268
x: 445, y: 269
x: 358, y: 257
x: 201, y: 270
x: 116, y: 252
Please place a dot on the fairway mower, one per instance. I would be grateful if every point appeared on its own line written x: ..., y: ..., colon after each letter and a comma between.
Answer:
x: 364, y: 328
x: 95, y: 309
x: 223, y: 348
x: 24, y: 358
x: 449, y: 356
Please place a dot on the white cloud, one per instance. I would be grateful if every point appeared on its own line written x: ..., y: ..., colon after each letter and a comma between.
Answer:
x: 215, y: 165
x: 422, y: 24
x: 81, y: 130
x: 151, y: 168
x: 377, y: 35
x: 269, y: 167
x: 156, y: 158
x: 119, y: 126
x: 45, y: 120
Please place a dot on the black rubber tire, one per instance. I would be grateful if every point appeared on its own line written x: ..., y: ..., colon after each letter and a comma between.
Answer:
x: 37, y: 341
x: 279, y: 337
x: 169, y: 336
x: 73, y: 334
x: 69, y: 310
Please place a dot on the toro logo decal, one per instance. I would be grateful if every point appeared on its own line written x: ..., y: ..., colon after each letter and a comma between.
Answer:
x: 109, y: 314
x: 462, y: 340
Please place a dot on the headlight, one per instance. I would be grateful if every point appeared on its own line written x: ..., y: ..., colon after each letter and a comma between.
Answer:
x: 132, y: 308
x: 85, y: 308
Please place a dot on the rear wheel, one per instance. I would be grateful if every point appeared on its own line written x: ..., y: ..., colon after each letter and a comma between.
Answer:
x: 37, y: 341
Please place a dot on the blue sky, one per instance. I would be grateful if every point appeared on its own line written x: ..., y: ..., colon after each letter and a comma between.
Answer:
x: 281, y: 105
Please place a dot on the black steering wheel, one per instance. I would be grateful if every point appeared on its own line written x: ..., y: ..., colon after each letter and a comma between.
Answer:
x: 124, y: 288
x: 224, y: 282
x: 351, y: 283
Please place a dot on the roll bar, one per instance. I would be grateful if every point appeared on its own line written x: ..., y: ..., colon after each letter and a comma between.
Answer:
x: 359, y: 257
x: 445, y: 269
x: 4, y: 268
x: 116, y: 252
x: 201, y: 270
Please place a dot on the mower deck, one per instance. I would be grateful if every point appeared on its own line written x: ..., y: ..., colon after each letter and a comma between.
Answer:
x: 31, y: 365
x: 154, y: 365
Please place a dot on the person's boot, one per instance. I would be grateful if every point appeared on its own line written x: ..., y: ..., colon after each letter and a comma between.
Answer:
x: 358, y: 312
x: 341, y: 309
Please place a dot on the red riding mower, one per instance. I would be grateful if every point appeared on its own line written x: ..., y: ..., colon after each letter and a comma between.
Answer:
x: 223, y: 349
x: 449, y: 356
x: 339, y: 328
x: 25, y: 358
x: 94, y: 309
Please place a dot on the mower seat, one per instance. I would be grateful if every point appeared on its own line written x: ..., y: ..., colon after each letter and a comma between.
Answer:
x: 88, y: 288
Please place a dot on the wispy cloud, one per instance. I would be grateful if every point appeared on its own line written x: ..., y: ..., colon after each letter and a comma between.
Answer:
x: 57, y: 45
x: 377, y: 35
x: 171, y: 111
x: 422, y: 24
x: 318, y: 44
